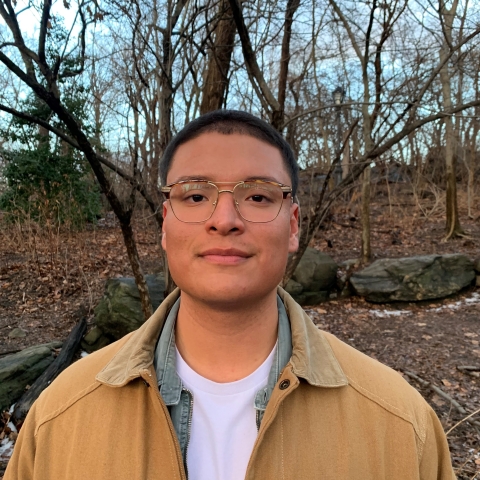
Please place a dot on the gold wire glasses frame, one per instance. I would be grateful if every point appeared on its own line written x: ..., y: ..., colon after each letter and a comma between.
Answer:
x: 256, y: 201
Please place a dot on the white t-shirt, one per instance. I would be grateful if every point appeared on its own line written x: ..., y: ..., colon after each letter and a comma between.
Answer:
x: 224, y: 427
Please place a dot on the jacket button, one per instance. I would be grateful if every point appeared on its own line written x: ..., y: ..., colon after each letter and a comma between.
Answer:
x: 284, y: 384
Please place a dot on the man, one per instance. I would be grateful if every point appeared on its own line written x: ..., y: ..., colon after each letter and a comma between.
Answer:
x: 229, y: 379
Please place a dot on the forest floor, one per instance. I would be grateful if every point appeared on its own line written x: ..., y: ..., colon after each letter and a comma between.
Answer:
x: 49, y: 279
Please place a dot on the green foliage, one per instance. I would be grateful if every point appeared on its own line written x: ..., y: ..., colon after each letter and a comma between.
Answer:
x: 44, y: 178
x: 49, y: 187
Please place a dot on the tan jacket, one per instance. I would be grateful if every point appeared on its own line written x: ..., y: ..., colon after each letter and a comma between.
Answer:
x: 334, y: 414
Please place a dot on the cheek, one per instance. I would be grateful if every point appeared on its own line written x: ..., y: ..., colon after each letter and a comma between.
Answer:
x: 276, y: 242
x: 174, y: 241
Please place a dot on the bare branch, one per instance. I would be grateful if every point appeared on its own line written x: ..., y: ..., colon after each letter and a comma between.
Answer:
x: 254, y: 72
x: 44, y: 22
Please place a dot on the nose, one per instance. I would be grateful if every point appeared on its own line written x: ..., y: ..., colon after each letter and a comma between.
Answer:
x: 225, y: 218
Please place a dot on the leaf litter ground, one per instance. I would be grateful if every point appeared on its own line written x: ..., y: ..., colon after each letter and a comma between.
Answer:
x: 49, y: 279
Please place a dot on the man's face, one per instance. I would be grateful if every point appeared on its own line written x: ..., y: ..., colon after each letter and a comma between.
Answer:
x: 227, y: 260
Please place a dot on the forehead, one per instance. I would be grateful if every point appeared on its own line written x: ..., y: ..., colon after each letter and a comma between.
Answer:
x: 219, y: 157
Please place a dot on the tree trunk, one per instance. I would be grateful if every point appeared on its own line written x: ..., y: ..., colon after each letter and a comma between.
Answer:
x: 132, y: 252
x: 452, y: 226
x: 279, y: 115
x: 216, y: 78
x: 366, y: 252
x: 472, y: 151
x: 345, y: 159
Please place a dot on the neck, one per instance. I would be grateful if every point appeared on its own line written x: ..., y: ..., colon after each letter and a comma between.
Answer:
x: 226, y: 344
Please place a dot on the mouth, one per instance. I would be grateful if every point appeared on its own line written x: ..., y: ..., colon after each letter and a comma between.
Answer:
x: 228, y: 256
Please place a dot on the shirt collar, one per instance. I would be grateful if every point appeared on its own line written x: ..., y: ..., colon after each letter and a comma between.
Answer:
x: 281, y: 358
x: 169, y: 382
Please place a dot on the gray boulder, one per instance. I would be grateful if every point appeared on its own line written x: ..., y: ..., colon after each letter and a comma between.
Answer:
x: 22, y: 369
x: 314, y: 276
x: 293, y: 288
x: 476, y: 265
x: 119, y: 311
x: 95, y: 339
x: 316, y: 271
x: 413, y: 278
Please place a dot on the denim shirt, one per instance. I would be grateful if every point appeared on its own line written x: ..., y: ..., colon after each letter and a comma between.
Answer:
x: 179, y: 400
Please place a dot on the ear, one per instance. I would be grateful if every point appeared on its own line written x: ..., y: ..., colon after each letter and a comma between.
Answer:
x: 164, y: 233
x: 294, y: 230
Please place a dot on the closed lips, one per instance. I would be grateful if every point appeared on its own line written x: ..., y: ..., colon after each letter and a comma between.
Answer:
x: 230, y: 252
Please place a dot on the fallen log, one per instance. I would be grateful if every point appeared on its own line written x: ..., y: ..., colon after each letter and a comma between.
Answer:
x: 471, y: 370
x: 62, y: 361
x: 468, y: 368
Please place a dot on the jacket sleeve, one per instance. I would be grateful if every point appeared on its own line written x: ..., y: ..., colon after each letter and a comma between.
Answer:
x: 435, y: 462
x: 22, y: 464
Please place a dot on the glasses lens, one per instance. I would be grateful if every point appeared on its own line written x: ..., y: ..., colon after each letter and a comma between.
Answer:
x: 193, y: 201
x: 258, y: 202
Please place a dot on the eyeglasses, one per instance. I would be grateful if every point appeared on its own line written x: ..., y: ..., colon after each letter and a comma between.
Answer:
x: 257, y: 201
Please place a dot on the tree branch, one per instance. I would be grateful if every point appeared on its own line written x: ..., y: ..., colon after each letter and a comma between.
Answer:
x: 254, y: 72
x: 134, y: 180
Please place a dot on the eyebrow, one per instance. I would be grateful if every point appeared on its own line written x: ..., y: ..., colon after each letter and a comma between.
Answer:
x: 191, y: 177
x: 203, y: 178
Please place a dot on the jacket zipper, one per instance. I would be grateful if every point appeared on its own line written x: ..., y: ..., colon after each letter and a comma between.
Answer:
x: 183, y: 474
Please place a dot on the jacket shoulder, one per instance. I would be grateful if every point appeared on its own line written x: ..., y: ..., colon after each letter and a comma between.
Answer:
x: 381, y: 384
x: 75, y: 382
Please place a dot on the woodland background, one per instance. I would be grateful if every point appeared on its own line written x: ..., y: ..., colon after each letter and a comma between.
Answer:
x: 379, y: 100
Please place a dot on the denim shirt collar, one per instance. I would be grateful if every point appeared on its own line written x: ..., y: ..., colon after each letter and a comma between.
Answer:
x: 169, y: 382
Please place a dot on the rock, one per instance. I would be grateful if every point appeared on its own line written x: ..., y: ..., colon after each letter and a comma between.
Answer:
x: 316, y: 271
x: 17, y: 333
x: 93, y: 336
x: 477, y: 282
x: 314, y: 298
x: 95, y: 339
x: 476, y: 265
x: 346, y: 291
x: 314, y: 276
x: 413, y: 278
x: 293, y: 288
x: 119, y: 311
x: 353, y: 262
x: 22, y: 369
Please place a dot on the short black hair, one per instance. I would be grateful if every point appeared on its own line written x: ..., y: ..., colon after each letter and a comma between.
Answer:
x: 228, y: 122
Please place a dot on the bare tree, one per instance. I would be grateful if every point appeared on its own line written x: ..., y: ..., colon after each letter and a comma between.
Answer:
x: 274, y: 106
x: 447, y: 17
x: 215, y: 86
x: 43, y: 74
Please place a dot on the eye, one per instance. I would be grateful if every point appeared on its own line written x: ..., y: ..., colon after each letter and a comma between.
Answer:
x: 258, y: 198
x: 195, y: 198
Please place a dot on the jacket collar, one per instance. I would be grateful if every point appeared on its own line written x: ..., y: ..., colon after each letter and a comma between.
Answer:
x: 312, y: 357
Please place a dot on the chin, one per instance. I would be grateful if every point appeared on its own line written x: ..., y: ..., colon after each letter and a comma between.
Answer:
x: 228, y: 294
